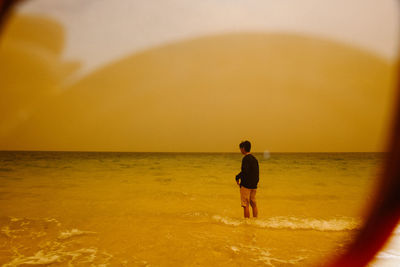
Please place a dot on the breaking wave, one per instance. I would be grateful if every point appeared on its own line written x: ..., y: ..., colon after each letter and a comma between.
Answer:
x: 74, y: 232
x: 262, y: 255
x: 52, y: 243
x: 294, y: 223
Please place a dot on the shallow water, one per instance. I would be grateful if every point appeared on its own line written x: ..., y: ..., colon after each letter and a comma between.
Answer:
x: 164, y: 209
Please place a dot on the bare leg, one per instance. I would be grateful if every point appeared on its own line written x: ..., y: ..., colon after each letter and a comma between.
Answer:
x: 254, y: 207
x: 246, y: 211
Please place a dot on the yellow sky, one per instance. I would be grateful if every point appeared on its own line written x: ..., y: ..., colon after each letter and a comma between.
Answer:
x: 283, y: 92
x: 100, y: 31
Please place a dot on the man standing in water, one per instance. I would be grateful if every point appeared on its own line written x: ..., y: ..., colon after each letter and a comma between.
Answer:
x: 247, y: 180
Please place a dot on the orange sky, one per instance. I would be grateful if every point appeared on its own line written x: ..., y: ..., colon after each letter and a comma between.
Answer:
x: 283, y: 92
x: 99, y: 31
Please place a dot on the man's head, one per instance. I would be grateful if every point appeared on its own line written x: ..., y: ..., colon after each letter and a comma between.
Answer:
x: 245, y: 147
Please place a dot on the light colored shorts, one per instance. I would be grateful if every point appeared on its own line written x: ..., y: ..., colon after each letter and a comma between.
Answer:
x: 247, y: 195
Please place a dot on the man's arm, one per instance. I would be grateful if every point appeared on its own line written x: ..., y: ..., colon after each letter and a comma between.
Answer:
x: 238, y: 177
x: 244, y: 168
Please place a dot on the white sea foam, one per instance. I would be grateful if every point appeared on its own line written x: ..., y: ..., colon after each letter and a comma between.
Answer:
x: 258, y: 254
x: 52, y: 220
x: 40, y: 258
x: 226, y: 220
x: 6, y: 231
x: 28, y: 227
x: 54, y: 250
x: 74, y: 232
x: 268, y: 259
x: 12, y: 233
x: 13, y: 219
x: 83, y: 255
x: 24, y: 223
x: 235, y: 249
x: 334, y: 224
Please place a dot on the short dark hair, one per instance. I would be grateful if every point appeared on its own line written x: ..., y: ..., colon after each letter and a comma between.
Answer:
x: 245, y: 145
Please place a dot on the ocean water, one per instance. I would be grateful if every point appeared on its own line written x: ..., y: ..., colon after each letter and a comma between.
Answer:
x: 178, y: 209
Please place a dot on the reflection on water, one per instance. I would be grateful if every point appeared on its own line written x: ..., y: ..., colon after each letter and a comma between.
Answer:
x: 170, y: 208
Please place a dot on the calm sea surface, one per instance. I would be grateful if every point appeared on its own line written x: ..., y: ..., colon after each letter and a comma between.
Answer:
x: 178, y: 209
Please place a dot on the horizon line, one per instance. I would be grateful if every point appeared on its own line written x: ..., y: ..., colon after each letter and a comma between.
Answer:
x: 187, y: 152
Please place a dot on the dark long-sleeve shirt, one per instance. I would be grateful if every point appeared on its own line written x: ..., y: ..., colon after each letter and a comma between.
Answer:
x: 249, y: 176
